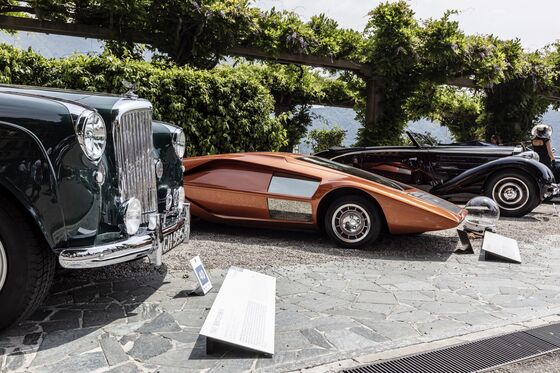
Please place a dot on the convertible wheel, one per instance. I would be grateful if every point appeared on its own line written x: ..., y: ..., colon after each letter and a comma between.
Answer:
x: 353, y: 221
x: 26, y: 266
x: 515, y: 193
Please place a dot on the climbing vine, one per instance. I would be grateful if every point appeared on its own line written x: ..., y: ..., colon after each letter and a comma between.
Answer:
x: 509, y: 88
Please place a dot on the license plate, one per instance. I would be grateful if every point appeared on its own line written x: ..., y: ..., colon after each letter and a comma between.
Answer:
x: 173, y: 239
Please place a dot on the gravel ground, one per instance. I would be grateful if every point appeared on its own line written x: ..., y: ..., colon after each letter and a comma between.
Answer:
x: 221, y: 246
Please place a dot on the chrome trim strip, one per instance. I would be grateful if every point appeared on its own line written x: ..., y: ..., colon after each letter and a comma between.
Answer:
x: 448, y: 150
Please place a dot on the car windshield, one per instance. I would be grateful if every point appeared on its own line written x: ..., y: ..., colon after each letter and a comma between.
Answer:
x: 352, y: 171
x: 422, y: 139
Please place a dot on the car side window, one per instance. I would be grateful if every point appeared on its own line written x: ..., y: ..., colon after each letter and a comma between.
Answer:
x: 291, y: 186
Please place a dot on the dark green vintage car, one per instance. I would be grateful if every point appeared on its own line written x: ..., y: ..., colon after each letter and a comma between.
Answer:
x: 86, y: 178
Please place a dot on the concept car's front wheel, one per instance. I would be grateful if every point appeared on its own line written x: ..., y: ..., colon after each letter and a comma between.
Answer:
x: 353, y: 221
x: 515, y: 193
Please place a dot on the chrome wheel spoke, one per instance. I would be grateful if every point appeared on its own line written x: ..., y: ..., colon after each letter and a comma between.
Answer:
x: 351, y: 223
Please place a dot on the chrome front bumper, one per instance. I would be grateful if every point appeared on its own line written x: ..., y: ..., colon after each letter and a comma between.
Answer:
x: 551, y: 191
x: 148, y: 244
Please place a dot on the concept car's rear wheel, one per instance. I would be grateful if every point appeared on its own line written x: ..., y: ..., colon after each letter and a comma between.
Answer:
x: 26, y: 266
x: 353, y: 221
x: 515, y: 193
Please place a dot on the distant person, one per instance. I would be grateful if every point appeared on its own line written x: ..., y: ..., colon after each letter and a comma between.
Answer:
x: 542, y: 146
x: 495, y: 140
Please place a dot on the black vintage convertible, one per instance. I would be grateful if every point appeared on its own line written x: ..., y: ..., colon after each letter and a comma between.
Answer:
x: 512, y: 176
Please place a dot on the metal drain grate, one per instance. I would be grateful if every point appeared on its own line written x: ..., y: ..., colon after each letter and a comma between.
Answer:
x: 473, y: 356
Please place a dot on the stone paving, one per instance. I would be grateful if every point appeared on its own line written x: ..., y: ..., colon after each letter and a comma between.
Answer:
x: 325, y: 312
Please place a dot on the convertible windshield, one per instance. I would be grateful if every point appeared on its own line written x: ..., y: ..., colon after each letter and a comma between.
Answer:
x: 352, y: 171
x: 422, y: 139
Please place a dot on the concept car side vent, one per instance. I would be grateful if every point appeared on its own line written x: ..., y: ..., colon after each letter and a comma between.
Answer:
x: 474, y: 356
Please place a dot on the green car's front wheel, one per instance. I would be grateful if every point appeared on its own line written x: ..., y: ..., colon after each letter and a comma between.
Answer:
x: 26, y: 265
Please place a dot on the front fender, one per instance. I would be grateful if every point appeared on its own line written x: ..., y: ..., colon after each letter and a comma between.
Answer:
x: 475, y: 178
x: 27, y: 176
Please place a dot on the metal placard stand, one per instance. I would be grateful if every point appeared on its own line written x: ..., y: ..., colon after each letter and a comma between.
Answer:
x: 243, y: 314
x: 466, y: 246
x: 204, y: 283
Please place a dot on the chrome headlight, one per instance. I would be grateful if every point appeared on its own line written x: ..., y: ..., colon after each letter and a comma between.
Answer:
x: 529, y: 154
x: 92, y: 134
x: 179, y: 143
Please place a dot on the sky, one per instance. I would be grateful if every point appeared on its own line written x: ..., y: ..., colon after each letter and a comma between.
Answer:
x: 535, y: 22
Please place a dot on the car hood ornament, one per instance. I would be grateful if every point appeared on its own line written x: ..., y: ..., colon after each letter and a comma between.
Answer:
x: 131, y: 88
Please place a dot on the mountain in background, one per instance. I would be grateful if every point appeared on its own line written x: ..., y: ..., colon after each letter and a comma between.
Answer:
x: 328, y: 117
x: 52, y: 46
x: 56, y: 46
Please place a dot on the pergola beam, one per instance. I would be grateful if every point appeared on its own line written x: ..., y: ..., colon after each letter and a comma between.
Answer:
x: 69, y: 29
x: 302, y: 59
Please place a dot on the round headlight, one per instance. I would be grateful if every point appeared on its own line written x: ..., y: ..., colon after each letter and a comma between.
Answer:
x: 132, y: 216
x: 179, y: 143
x: 92, y: 134
x: 529, y: 154
x: 159, y: 169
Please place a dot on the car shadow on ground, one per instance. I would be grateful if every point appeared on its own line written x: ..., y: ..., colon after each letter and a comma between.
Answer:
x: 80, y: 304
x: 418, y: 247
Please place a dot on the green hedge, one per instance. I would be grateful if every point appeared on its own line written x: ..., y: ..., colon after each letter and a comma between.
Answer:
x: 222, y: 110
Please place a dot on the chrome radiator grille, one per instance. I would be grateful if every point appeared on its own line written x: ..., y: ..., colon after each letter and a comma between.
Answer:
x: 133, y: 140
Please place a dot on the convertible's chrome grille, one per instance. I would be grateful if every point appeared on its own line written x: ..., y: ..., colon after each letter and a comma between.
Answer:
x: 132, y: 135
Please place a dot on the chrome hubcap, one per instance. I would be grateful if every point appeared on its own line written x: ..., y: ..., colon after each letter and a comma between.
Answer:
x: 351, y: 223
x: 510, y: 193
x: 3, y: 266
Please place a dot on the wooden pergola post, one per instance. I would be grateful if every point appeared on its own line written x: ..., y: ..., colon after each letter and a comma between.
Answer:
x: 374, y: 101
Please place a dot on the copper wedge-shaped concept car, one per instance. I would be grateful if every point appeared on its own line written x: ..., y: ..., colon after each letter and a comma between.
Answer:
x: 295, y: 191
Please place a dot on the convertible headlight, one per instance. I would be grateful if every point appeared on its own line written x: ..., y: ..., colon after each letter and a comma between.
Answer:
x: 529, y: 154
x: 179, y: 143
x: 92, y: 134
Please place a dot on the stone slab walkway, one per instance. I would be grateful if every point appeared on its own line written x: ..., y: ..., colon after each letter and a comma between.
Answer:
x: 325, y: 313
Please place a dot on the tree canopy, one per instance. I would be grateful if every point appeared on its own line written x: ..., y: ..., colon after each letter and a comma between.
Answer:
x: 420, y: 62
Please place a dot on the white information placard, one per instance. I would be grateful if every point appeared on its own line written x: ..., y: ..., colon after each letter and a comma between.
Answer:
x: 201, y: 275
x: 243, y: 313
x: 497, y: 246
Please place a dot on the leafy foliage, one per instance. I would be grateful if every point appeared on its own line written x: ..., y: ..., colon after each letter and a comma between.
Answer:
x: 222, y: 110
x: 510, y: 88
x: 325, y: 138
